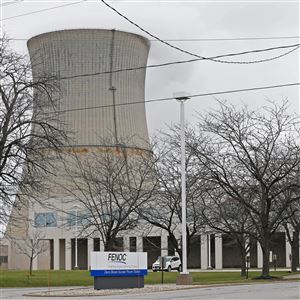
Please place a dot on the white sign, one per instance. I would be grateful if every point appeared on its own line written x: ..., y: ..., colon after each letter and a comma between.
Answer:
x: 106, y: 263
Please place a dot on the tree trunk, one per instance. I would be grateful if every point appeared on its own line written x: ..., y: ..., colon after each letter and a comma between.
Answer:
x: 109, y: 245
x: 295, y: 251
x: 174, y: 243
x: 243, y: 254
x: 30, y: 266
x: 188, y: 247
x: 265, y: 245
x: 243, y: 262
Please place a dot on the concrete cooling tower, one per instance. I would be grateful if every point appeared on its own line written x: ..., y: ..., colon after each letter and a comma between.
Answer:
x: 94, y: 108
x: 94, y: 92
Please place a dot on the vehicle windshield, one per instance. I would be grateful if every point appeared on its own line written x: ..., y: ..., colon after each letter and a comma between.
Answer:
x: 166, y: 259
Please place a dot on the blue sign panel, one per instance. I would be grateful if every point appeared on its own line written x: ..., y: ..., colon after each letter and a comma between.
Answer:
x: 99, y: 273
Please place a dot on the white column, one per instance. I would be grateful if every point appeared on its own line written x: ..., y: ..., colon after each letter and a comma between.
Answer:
x: 9, y: 266
x: 139, y: 244
x: 56, y: 254
x: 101, y: 245
x: 218, y: 251
x: 259, y: 256
x: 68, y: 252
x: 90, y: 248
x: 203, y: 251
x: 178, y: 239
x: 209, y: 251
x: 248, y: 244
x: 164, y: 245
x: 126, y: 243
x: 288, y: 251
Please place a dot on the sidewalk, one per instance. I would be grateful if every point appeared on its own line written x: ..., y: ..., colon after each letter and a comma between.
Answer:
x: 292, y: 276
x: 236, y: 270
x: 90, y: 291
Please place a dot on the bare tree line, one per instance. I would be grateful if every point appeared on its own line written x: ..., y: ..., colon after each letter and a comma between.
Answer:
x: 242, y: 180
x: 252, y: 158
x: 110, y: 187
x: 27, y: 131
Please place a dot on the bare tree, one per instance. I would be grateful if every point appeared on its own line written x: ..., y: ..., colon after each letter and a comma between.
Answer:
x: 292, y: 227
x: 254, y: 157
x: 110, y: 185
x: 164, y: 211
x: 28, y: 126
x: 31, y: 246
x: 228, y: 217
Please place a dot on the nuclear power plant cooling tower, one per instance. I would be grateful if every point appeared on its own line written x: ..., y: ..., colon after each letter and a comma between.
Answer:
x: 95, y: 94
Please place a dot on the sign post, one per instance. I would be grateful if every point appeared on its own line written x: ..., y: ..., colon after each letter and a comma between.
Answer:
x: 118, y: 270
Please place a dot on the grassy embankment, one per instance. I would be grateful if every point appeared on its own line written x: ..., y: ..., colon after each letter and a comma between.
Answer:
x: 82, y: 278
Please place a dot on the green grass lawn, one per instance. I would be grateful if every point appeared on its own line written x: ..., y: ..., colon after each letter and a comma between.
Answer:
x: 82, y: 278
x: 211, y: 277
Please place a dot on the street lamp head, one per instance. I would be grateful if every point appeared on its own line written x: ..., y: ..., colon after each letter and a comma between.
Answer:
x: 76, y: 206
x: 181, y: 96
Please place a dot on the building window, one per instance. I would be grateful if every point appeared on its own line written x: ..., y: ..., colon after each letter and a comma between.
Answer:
x: 45, y: 220
x: 3, y: 259
x: 71, y: 217
x: 83, y: 218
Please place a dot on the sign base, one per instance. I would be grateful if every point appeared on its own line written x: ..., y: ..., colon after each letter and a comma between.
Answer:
x: 118, y: 282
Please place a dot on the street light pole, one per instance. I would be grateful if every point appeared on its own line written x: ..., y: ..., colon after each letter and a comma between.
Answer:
x: 183, y: 187
x: 76, y: 232
x: 185, y: 278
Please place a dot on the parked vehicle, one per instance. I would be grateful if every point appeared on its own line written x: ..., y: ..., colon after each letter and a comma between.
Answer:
x: 169, y: 263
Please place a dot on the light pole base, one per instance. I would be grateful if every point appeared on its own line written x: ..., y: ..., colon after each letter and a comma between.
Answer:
x: 184, y: 279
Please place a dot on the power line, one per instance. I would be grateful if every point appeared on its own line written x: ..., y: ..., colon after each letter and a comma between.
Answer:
x: 295, y: 47
x: 208, y: 39
x: 159, y: 39
x: 147, y: 32
x: 10, y: 3
x: 178, y: 1
x: 172, y: 98
x: 229, y: 39
x: 42, y: 10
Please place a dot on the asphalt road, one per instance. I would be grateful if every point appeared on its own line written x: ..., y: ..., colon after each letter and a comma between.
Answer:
x: 286, y: 290
x: 17, y: 293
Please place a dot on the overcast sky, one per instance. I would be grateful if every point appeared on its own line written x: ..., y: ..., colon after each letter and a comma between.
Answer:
x: 184, y: 20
